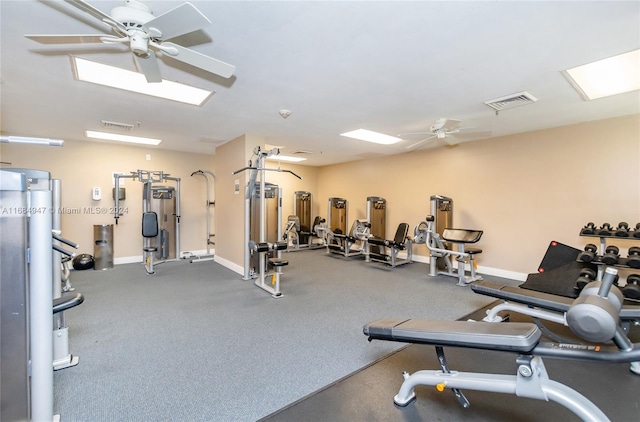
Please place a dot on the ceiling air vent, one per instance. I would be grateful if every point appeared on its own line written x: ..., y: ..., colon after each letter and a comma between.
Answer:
x: 115, y: 125
x: 301, y: 152
x: 511, y: 101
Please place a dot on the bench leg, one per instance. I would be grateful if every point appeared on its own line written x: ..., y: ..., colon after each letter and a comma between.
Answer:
x: 531, y: 381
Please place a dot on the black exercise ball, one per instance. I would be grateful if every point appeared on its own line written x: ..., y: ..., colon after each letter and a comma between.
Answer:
x: 84, y: 261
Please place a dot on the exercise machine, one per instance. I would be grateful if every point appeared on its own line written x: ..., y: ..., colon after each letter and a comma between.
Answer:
x: 351, y: 244
x: 425, y: 233
x: 164, y: 201
x: 209, y: 204
x: 389, y: 250
x: 300, y: 231
x: 441, y: 208
x: 27, y: 306
x: 256, y: 206
x: 593, y: 318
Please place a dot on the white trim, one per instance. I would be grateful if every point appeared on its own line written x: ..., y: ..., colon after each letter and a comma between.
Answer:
x: 498, y: 272
x: 230, y: 265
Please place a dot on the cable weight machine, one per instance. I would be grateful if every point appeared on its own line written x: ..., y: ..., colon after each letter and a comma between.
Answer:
x: 209, y: 256
x: 262, y: 247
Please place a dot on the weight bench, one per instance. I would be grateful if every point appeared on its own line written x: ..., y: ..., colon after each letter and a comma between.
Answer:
x: 401, y: 241
x: 593, y: 317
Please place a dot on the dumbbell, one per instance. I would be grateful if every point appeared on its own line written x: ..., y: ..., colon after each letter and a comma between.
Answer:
x: 588, y: 229
x: 634, y: 257
x: 587, y: 275
x: 632, y: 289
x: 589, y: 253
x: 611, y: 255
x: 622, y: 230
x: 637, y: 232
x: 605, y: 230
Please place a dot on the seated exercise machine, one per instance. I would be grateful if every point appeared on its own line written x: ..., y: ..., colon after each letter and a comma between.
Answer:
x: 425, y: 233
x: 259, y: 253
x: 352, y: 244
x: 299, y: 237
x: 389, y: 249
x: 593, y: 317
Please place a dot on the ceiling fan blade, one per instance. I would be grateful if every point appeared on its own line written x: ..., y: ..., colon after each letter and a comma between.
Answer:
x: 400, y: 135
x: 420, y: 142
x: 65, y: 39
x: 181, y: 20
x: 149, y: 67
x: 99, y: 14
x: 450, y: 124
x: 201, y: 61
x: 480, y: 134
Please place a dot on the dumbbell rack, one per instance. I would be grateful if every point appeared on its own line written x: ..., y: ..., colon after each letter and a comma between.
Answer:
x: 622, y: 262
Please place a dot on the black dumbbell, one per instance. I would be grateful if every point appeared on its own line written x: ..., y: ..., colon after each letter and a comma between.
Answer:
x: 637, y: 232
x: 589, y: 253
x: 634, y: 257
x: 605, y: 230
x: 622, y: 230
x: 632, y: 289
x: 611, y: 255
x: 587, y: 275
x: 590, y: 228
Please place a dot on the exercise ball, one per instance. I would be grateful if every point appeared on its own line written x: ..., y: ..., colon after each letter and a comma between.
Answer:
x: 83, y: 261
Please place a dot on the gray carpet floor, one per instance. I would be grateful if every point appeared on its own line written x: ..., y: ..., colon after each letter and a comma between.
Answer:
x: 195, y: 342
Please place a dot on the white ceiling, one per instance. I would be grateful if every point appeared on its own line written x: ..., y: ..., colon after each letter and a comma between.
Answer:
x: 387, y: 66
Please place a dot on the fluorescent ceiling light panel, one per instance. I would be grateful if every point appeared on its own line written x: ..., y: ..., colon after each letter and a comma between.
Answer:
x: 102, y: 74
x: 615, y: 75
x: 370, y: 136
x: 121, y: 138
x: 285, y: 158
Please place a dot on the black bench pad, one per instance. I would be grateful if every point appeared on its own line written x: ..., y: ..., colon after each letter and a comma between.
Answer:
x: 66, y: 301
x: 546, y: 301
x: 513, y: 336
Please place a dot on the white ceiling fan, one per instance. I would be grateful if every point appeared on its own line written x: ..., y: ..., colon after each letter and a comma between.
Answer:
x: 447, y: 130
x: 135, y: 24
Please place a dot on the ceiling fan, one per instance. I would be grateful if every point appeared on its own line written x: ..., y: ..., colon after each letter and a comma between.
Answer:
x: 447, y: 130
x: 135, y: 24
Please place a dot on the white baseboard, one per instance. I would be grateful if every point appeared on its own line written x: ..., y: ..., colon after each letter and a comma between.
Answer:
x: 230, y: 265
x: 497, y: 272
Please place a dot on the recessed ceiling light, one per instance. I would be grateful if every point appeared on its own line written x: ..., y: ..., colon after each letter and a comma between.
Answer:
x: 285, y: 158
x: 121, y: 138
x: 615, y: 75
x: 370, y: 136
x: 102, y: 74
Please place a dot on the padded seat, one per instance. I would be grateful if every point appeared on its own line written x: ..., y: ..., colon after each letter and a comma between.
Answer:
x: 66, y: 301
x: 461, y: 235
x: 278, y: 262
x: 514, y: 336
x: 473, y: 251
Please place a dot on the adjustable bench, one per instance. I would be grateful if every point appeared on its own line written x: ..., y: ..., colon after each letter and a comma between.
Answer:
x: 594, y: 316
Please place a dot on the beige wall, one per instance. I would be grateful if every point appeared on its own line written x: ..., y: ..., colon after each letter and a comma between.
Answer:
x: 82, y: 165
x: 522, y: 190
